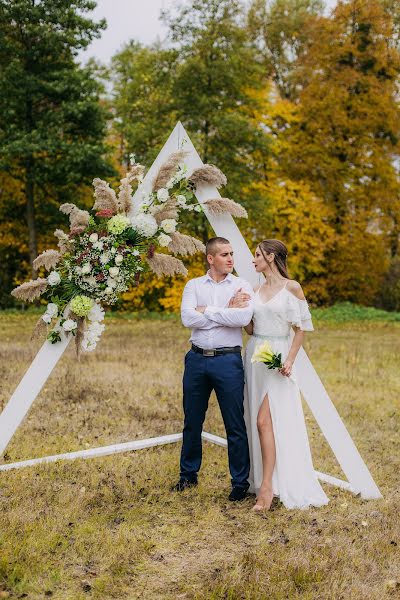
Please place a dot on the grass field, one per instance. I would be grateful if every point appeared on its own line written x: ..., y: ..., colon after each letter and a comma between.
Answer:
x: 109, y: 528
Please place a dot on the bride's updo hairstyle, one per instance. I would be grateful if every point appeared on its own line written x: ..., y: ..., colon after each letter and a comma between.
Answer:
x: 280, y: 252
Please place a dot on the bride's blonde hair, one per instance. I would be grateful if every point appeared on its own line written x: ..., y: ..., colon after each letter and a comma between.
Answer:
x: 280, y: 252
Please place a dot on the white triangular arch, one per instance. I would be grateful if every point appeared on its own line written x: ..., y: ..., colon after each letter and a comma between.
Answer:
x: 313, y: 391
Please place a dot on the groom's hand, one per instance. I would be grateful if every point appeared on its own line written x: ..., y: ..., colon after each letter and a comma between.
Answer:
x: 201, y: 309
x: 239, y: 300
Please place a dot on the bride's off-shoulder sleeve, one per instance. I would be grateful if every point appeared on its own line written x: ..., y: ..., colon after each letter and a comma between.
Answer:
x: 298, y: 313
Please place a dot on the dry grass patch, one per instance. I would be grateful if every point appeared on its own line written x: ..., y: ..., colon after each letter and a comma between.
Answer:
x: 110, y: 528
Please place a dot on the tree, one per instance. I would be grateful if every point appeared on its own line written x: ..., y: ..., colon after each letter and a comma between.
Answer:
x: 279, y: 29
x: 142, y: 100
x: 52, y: 123
x: 345, y: 140
x: 216, y: 73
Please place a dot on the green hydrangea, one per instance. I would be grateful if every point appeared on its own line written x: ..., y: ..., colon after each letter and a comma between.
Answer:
x: 118, y: 224
x: 81, y: 305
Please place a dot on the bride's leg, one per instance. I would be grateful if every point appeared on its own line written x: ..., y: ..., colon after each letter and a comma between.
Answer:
x: 267, y: 442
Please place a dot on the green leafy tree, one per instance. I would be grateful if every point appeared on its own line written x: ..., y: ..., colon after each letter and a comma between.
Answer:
x: 52, y: 123
x: 279, y: 29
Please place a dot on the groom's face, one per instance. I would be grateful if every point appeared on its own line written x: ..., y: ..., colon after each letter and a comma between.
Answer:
x: 222, y: 260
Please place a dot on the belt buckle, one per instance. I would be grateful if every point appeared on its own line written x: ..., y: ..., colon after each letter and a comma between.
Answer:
x: 208, y: 352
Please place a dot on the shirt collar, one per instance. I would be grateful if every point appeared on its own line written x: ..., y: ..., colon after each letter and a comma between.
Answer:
x: 228, y: 278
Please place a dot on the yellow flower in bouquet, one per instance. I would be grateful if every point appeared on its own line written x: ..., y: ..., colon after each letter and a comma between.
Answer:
x: 264, y: 354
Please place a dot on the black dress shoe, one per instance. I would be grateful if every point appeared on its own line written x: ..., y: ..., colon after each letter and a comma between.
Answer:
x: 183, y: 484
x: 237, y: 494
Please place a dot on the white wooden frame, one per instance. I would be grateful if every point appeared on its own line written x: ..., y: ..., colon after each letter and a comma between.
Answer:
x: 313, y: 391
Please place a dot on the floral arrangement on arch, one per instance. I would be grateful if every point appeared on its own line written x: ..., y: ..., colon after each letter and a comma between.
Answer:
x: 104, y: 253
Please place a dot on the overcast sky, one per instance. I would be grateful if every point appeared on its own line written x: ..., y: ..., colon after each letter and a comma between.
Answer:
x: 130, y: 19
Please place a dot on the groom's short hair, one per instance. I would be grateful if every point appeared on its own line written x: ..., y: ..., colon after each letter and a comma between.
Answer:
x: 212, y: 244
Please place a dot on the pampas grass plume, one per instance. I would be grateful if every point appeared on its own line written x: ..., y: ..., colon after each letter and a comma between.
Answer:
x: 209, y: 175
x: 185, y: 244
x: 105, y: 197
x: 48, y: 259
x: 77, y: 217
x: 220, y: 206
x: 166, y: 211
x: 30, y: 290
x: 167, y: 169
x: 163, y: 264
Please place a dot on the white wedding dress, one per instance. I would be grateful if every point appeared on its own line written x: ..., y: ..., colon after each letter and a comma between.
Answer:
x: 294, y: 479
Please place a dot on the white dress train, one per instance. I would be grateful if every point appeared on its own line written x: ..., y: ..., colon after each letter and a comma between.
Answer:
x: 294, y: 479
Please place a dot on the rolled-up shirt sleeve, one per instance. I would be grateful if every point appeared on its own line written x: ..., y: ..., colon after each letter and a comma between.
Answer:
x: 232, y: 317
x: 189, y: 315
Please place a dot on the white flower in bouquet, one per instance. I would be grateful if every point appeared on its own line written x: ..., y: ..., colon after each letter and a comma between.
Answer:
x: 111, y: 283
x: 104, y: 258
x: 78, y: 270
x: 198, y: 208
x: 145, y: 224
x: 181, y: 200
x: 168, y: 225
x: 108, y: 290
x: 118, y: 259
x: 54, y: 278
x: 98, y: 245
x: 90, y: 281
x: 86, y: 268
x: 97, y: 313
x: 113, y: 250
x: 162, y: 195
x: 93, y: 238
x: 69, y: 325
x: 51, y: 312
x: 136, y: 253
x: 92, y: 336
x: 52, y: 309
x: 114, y: 271
x: 164, y: 240
x: 170, y: 183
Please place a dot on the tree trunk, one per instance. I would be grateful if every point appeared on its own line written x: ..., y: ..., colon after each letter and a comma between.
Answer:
x: 30, y: 213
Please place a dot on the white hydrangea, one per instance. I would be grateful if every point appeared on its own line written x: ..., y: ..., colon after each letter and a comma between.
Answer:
x: 92, y: 336
x: 97, y: 313
x: 54, y: 278
x: 145, y: 224
x: 98, y: 245
x: 164, y: 239
x: 168, y: 225
x: 162, y: 195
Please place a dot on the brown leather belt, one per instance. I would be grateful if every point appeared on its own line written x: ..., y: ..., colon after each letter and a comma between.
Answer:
x: 216, y: 351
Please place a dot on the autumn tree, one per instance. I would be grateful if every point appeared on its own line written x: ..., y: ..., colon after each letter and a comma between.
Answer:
x: 345, y: 140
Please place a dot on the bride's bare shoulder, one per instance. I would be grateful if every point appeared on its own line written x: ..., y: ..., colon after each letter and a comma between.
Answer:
x: 295, y: 288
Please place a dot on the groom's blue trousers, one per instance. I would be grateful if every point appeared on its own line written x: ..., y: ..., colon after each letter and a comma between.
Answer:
x: 224, y: 374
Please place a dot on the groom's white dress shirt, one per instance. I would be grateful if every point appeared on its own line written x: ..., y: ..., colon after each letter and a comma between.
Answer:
x: 219, y: 326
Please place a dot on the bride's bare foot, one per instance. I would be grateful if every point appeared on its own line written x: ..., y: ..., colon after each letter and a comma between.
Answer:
x: 264, y: 500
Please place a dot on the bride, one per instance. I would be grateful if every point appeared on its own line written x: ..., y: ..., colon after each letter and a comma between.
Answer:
x: 280, y: 457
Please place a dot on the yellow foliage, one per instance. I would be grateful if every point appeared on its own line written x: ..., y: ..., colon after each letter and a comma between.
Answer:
x: 165, y: 294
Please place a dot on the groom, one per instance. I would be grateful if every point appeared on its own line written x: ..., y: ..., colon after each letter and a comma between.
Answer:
x: 215, y: 307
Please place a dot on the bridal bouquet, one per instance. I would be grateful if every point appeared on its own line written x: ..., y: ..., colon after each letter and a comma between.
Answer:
x: 105, y: 252
x: 264, y: 354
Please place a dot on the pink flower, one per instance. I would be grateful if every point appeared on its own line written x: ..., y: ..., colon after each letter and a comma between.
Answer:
x: 106, y: 212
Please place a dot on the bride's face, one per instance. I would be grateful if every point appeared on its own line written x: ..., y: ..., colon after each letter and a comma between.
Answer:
x: 259, y: 262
